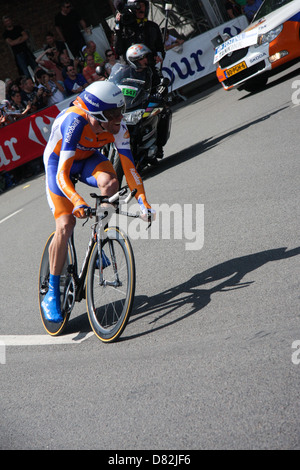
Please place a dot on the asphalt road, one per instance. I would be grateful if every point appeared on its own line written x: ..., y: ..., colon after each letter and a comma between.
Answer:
x: 209, y: 359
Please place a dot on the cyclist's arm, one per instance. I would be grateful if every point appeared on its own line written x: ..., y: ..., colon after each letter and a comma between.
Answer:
x: 134, y: 180
x: 71, y: 130
x: 132, y: 176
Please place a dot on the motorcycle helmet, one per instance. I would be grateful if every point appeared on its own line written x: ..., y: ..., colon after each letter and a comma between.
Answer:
x: 135, y: 53
x: 103, y: 100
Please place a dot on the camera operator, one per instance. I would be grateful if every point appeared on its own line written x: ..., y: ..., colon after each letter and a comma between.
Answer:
x: 133, y: 27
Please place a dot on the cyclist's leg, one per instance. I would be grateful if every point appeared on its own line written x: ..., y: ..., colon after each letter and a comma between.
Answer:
x: 99, y: 172
x: 62, y: 210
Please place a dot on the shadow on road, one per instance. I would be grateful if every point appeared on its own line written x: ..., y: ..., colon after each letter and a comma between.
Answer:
x: 230, y: 274
x: 201, y: 147
x: 164, y: 309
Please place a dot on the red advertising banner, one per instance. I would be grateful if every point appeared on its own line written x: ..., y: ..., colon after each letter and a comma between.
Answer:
x: 25, y: 140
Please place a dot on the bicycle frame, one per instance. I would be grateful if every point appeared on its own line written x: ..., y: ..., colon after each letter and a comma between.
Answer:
x: 97, y: 236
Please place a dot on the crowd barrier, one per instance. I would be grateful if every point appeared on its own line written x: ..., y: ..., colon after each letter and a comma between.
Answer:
x: 25, y: 140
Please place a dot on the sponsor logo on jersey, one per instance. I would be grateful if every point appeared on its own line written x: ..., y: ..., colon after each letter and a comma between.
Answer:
x: 71, y: 130
x: 135, y: 175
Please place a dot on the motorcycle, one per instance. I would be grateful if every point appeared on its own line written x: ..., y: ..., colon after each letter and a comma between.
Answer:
x: 147, y: 116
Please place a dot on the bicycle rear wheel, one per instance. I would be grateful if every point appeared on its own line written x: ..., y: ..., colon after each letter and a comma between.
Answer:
x: 67, y: 289
x: 109, y: 304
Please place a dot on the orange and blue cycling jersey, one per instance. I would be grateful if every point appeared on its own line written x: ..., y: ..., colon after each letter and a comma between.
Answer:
x: 73, y: 148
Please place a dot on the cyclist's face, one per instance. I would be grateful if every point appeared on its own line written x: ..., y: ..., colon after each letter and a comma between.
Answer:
x: 113, y: 125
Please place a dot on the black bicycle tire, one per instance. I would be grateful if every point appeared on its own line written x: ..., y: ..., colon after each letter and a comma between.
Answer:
x: 110, y: 335
x: 53, y: 329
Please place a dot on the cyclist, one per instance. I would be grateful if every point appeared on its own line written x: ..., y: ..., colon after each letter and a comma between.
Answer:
x: 94, y: 120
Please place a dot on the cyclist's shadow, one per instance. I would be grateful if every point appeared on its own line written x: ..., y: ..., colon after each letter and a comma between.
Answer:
x: 163, y: 309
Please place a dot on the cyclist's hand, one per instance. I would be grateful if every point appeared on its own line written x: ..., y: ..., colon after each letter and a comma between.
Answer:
x: 79, y: 211
x: 148, y: 215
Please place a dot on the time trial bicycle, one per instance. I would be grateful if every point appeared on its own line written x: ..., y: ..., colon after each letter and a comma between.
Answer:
x: 107, y: 275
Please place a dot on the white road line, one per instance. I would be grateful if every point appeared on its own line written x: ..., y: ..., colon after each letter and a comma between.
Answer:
x: 11, y: 215
x: 43, y: 340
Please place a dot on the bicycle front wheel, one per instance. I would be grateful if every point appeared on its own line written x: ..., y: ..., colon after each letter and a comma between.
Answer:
x: 110, y: 297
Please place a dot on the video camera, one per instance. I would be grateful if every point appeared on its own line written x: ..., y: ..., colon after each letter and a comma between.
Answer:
x: 128, y: 10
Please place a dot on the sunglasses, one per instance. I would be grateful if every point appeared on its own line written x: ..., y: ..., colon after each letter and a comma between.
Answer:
x: 110, y: 114
x: 110, y: 55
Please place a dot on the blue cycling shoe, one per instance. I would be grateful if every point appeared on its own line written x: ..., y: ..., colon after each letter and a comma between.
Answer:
x: 51, y: 302
x: 105, y: 261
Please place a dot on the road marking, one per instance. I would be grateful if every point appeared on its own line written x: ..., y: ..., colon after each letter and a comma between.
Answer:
x: 44, y: 340
x: 11, y: 215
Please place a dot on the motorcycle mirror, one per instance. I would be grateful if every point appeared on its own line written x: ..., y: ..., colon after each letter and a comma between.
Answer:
x: 98, y: 70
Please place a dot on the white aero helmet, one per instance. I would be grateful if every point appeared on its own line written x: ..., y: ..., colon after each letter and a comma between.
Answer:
x: 103, y: 100
x: 136, y: 52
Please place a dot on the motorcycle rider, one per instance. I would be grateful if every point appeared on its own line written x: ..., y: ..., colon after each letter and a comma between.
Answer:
x: 139, y: 56
x: 133, y: 27
x: 94, y: 119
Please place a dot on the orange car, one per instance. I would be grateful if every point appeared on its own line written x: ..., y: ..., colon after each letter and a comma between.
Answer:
x: 270, y: 40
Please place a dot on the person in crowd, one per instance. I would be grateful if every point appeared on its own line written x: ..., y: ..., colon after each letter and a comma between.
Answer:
x: 9, y: 84
x: 65, y: 61
x: 53, y: 90
x: 7, y: 113
x: 251, y: 8
x: 90, y: 48
x: 15, y: 36
x: 18, y: 106
x: 171, y: 41
x: 30, y: 93
x: 110, y: 60
x: 51, y: 42
x: 68, y: 25
x: 51, y: 62
x: 89, y: 72
x: 94, y: 120
x: 233, y: 9
x: 75, y: 82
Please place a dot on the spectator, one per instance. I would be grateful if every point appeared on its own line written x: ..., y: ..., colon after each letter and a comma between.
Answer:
x: 19, y: 108
x: 52, y: 42
x: 171, y: 41
x: 233, y: 10
x: 89, y: 72
x: 51, y: 62
x: 16, y: 38
x: 11, y: 86
x: 75, y: 82
x: 68, y: 23
x: 66, y: 60
x: 53, y: 90
x: 90, y: 48
x: 251, y: 8
x: 31, y: 93
x: 7, y: 114
x: 110, y: 60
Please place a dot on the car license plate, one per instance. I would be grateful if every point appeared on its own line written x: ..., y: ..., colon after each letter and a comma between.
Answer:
x: 235, y: 69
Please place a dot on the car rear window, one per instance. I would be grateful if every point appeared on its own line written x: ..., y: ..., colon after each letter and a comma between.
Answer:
x: 268, y: 6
